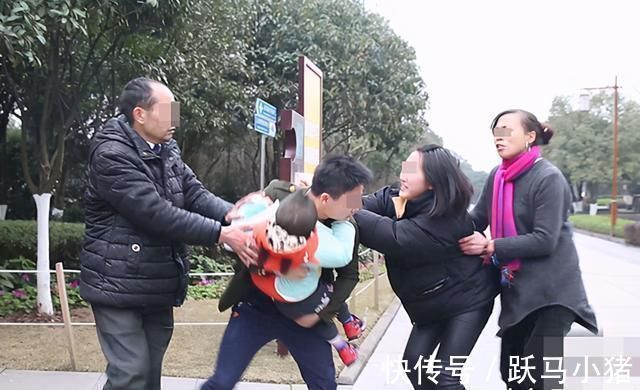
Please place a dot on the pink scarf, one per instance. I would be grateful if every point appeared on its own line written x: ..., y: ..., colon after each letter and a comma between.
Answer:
x: 502, y: 220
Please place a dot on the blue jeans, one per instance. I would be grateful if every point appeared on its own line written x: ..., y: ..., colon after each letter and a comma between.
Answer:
x: 257, y: 322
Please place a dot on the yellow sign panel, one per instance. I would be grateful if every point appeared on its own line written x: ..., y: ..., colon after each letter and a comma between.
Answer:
x: 313, y: 119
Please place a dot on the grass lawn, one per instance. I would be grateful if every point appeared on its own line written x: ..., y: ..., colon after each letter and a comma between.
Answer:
x: 599, y: 224
x: 192, y: 352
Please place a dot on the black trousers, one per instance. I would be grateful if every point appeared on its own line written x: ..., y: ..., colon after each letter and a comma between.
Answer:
x: 541, y: 335
x: 456, y: 336
x: 134, y: 342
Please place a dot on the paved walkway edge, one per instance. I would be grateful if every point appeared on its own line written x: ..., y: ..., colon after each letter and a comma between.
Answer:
x: 349, y: 374
x: 601, y: 236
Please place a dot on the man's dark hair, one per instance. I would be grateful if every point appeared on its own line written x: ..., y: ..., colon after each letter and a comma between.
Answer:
x: 297, y: 214
x: 451, y: 187
x: 137, y: 93
x: 339, y: 174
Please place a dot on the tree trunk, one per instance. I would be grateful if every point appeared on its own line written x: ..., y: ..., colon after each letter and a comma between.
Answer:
x: 4, y: 157
x: 45, y: 306
x: 58, y: 198
x: 4, y: 122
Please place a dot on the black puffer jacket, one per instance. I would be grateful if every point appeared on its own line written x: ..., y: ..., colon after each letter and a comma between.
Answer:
x: 428, y: 272
x: 142, y: 208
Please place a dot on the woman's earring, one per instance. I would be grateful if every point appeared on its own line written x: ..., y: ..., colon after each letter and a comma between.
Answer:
x: 528, y: 146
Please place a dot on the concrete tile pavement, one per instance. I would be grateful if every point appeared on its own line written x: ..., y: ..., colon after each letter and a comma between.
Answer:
x: 55, y: 380
x: 610, y: 271
x: 384, y: 369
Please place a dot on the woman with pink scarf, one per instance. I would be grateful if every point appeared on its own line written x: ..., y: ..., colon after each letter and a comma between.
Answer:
x: 526, y: 202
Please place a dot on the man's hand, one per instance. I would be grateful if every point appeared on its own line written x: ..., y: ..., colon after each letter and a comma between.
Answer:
x: 475, y: 244
x: 242, y: 243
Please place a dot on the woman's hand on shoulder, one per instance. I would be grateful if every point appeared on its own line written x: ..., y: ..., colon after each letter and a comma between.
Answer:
x: 474, y: 245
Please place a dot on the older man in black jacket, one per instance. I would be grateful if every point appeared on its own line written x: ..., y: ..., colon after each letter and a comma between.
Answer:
x: 143, y: 206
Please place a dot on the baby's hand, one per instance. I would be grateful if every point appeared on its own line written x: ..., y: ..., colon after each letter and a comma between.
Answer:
x: 235, y: 212
x: 301, y: 183
x: 297, y: 273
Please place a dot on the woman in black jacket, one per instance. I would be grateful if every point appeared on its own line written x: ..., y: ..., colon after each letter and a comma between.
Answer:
x: 448, y: 295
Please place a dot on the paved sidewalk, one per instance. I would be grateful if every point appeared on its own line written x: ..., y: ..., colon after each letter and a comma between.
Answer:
x: 55, y: 380
x: 611, y: 272
x: 384, y: 370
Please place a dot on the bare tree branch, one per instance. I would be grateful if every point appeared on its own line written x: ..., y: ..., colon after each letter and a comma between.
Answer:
x: 24, y: 160
x: 339, y: 143
x: 213, y: 162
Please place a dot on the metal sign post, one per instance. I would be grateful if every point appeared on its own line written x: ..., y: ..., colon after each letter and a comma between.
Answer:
x: 264, y: 122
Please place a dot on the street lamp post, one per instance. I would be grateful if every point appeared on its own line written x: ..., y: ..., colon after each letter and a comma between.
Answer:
x: 614, y: 189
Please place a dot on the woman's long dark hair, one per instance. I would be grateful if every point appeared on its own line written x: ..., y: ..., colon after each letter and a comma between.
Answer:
x: 451, y: 187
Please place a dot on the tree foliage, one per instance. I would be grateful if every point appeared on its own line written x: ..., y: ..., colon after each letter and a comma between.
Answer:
x: 56, y: 57
x: 64, y: 63
x: 582, y: 146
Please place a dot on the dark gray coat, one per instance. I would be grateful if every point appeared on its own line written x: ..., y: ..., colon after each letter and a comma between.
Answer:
x: 550, y: 271
x: 141, y: 210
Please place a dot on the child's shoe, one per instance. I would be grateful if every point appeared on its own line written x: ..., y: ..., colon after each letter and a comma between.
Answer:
x: 348, y: 354
x: 354, y: 328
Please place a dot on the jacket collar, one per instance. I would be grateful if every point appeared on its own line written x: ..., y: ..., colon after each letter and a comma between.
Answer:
x: 407, y: 209
x: 119, y: 129
x: 141, y: 146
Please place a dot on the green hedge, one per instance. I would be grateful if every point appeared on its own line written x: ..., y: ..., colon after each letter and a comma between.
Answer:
x: 599, y: 224
x: 606, y: 201
x: 18, y: 239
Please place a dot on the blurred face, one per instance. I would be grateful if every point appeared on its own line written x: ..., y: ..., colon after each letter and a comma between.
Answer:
x: 412, y: 181
x: 510, y: 137
x: 343, y: 207
x: 157, y: 123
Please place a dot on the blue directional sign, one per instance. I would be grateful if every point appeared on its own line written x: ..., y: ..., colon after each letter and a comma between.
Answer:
x: 265, y: 118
